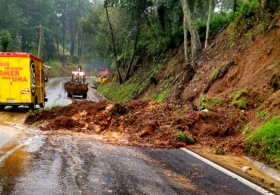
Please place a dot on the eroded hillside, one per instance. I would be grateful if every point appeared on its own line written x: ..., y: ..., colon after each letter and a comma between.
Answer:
x: 236, y: 77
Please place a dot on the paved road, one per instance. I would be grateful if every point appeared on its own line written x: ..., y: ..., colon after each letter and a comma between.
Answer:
x: 33, y: 162
x: 64, y: 163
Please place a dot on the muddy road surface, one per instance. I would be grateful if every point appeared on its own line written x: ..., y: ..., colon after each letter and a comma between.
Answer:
x: 33, y: 162
x: 64, y: 163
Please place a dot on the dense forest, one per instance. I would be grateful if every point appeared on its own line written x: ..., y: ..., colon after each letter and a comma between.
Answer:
x: 119, y: 31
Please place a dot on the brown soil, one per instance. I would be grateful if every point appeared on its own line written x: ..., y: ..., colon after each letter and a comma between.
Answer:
x: 146, y: 123
x: 251, y: 63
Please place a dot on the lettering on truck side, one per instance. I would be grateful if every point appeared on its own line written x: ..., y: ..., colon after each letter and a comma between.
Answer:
x: 4, y: 63
x: 11, y: 73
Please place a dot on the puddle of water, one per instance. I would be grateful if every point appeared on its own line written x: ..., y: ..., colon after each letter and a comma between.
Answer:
x: 255, y: 174
x: 11, y: 166
x: 12, y: 117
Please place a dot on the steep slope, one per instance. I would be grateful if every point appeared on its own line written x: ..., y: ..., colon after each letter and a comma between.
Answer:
x: 243, y: 61
x: 236, y: 77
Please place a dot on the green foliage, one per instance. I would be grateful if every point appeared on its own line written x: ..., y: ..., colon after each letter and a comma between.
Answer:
x: 54, y: 68
x: 216, y: 101
x: 219, y: 20
x: 238, y: 94
x: 158, y: 44
x: 30, y: 113
x: 158, y: 97
x: 246, y: 9
x: 206, y: 102
x: 118, y: 93
x: 264, y: 142
x: 262, y: 114
x: 244, y: 16
x: 241, y: 103
x: 239, y: 99
x: 5, y: 39
x: 246, y: 129
x: 184, y: 137
x: 218, y: 151
x: 215, y: 74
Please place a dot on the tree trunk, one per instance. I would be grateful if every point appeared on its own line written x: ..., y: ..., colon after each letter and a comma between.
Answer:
x: 134, y: 50
x: 73, y: 35
x: 234, y: 6
x: 208, y: 22
x: 185, y: 27
x: 113, y: 43
x: 63, y: 30
x: 195, y: 41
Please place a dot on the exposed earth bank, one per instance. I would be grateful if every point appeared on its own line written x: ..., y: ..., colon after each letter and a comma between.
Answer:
x: 241, y: 60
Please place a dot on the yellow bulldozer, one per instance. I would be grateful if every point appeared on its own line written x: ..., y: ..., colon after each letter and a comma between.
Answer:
x: 77, y: 85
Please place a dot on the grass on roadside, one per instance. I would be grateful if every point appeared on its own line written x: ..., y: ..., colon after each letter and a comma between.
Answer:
x: 117, y: 93
x: 264, y: 142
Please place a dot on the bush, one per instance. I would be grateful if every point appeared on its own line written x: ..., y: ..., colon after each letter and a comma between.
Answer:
x: 264, y: 142
x: 241, y: 103
x: 215, y: 74
x: 207, y: 102
x: 239, y: 99
x: 217, y: 101
x: 183, y: 137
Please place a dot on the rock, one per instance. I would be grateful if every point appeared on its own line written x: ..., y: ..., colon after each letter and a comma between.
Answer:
x: 245, y: 169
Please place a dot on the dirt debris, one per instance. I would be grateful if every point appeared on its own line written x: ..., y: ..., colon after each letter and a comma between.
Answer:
x: 145, y: 123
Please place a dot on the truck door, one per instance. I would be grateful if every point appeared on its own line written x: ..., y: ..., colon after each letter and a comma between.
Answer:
x: 14, y: 80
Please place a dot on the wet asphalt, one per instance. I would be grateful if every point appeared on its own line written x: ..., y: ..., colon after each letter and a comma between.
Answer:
x: 82, y: 164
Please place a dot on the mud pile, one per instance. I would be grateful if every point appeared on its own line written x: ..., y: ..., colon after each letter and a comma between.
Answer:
x: 145, y: 123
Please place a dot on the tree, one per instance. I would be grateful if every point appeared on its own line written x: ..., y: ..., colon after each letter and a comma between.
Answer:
x: 195, y: 40
x: 208, y: 22
x: 5, y: 38
x: 113, y: 42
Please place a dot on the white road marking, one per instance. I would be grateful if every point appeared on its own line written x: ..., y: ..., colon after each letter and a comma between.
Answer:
x: 93, y: 98
x: 10, y: 152
x: 229, y: 173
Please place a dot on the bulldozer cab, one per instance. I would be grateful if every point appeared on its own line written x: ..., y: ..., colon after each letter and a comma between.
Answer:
x: 78, y: 76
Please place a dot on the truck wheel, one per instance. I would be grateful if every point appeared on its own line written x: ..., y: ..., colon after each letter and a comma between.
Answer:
x: 32, y: 106
x: 2, y: 107
x: 69, y: 95
x: 42, y: 105
x: 14, y: 107
x: 85, y: 96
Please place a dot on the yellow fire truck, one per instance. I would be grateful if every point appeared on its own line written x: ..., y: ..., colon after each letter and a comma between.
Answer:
x: 22, y: 80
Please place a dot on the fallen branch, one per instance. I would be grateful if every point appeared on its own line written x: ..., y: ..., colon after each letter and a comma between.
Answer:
x: 177, y: 77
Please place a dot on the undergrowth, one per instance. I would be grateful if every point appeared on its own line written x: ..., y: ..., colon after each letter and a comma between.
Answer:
x: 239, y: 99
x: 264, y: 142
x: 118, y: 93
x: 207, y: 102
x: 184, y: 137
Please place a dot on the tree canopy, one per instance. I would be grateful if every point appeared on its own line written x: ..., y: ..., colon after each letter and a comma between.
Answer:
x: 81, y: 28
